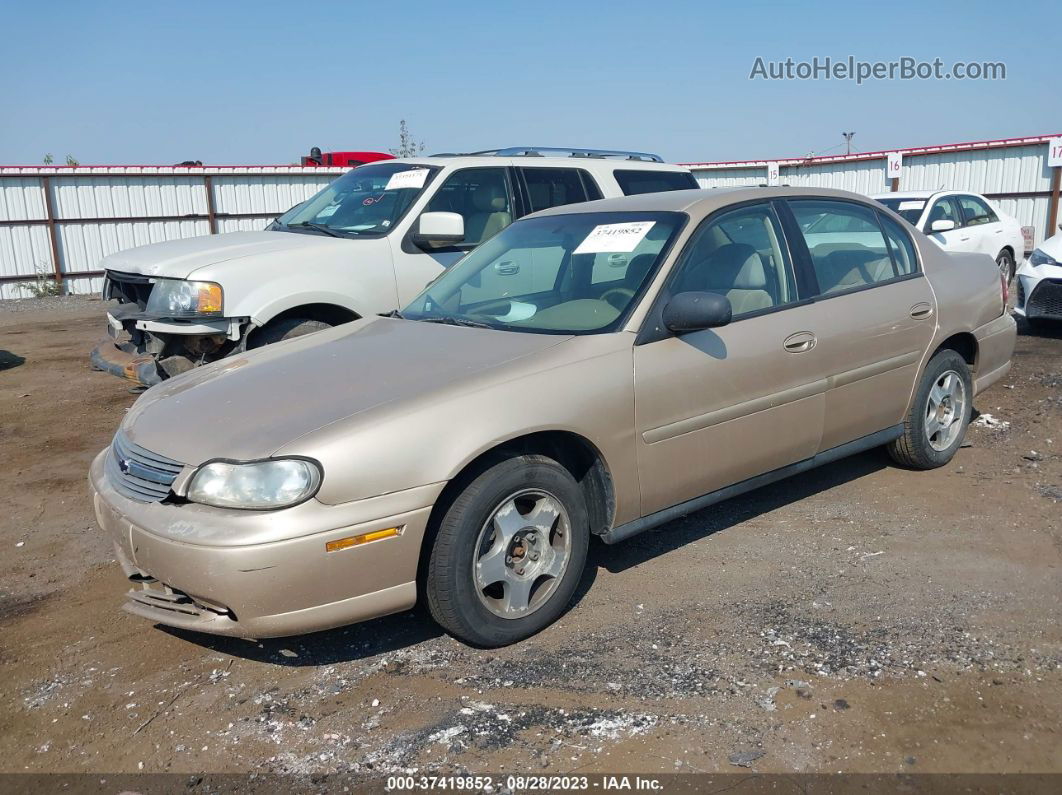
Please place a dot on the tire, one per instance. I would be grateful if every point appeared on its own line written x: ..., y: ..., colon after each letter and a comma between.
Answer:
x: 498, y: 547
x: 1005, y: 261
x: 286, y: 329
x: 921, y: 446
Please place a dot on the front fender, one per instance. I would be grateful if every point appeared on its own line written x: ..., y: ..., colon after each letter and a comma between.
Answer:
x: 283, y: 303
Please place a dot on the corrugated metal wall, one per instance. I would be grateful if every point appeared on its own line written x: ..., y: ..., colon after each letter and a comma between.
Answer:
x: 96, y: 211
x: 993, y: 171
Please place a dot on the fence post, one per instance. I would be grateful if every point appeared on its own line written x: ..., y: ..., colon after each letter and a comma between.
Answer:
x: 53, y: 237
x: 1052, y: 209
x: 208, y: 186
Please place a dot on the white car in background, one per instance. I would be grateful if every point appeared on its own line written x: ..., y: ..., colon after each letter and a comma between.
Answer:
x: 1040, y: 283
x: 962, y: 221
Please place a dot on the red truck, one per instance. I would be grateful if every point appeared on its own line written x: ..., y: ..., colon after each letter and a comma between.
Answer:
x: 319, y: 158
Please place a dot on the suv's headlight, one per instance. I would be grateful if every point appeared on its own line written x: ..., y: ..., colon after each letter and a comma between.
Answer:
x: 258, y: 485
x: 1040, y: 257
x: 177, y: 298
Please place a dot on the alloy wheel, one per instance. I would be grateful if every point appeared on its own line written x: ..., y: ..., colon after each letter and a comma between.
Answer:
x: 945, y: 409
x: 522, y: 553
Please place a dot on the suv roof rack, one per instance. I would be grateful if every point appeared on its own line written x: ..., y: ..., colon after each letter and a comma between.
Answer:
x: 544, y: 151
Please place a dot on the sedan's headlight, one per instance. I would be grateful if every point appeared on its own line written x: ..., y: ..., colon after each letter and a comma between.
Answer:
x: 177, y: 298
x: 258, y: 485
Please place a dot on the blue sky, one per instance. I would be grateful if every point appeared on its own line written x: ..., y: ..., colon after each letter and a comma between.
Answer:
x: 234, y: 82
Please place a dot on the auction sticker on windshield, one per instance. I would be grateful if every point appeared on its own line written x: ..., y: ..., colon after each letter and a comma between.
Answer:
x: 615, y: 238
x: 407, y: 179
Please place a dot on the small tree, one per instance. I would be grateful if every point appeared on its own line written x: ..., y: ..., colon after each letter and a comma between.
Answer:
x: 408, y: 146
x: 72, y: 161
x: 48, y: 159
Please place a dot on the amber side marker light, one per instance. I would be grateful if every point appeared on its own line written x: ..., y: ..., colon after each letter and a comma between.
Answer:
x: 364, y: 538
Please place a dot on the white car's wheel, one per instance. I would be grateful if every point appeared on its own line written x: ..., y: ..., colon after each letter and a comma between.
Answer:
x: 1005, y: 261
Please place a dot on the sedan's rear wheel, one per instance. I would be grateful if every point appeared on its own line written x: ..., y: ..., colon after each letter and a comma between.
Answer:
x: 509, y: 552
x: 939, y: 414
x: 1005, y: 261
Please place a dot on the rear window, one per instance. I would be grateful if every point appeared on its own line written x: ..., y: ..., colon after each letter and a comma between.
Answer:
x: 908, y: 209
x: 632, y: 182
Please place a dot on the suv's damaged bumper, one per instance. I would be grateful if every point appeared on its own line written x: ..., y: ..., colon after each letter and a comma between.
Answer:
x: 148, y: 350
x: 141, y: 369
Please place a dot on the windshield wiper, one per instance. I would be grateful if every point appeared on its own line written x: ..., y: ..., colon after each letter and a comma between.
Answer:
x: 455, y: 321
x: 319, y: 227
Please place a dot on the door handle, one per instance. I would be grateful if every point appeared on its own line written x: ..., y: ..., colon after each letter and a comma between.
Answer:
x: 800, y: 342
x: 964, y: 238
x: 922, y: 311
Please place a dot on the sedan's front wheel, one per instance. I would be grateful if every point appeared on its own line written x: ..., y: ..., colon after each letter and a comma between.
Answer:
x: 936, y: 422
x: 509, y: 552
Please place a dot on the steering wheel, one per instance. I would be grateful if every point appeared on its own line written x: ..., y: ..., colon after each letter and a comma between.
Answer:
x: 626, y: 293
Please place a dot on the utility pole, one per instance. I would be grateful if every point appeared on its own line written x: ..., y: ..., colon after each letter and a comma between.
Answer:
x: 848, y: 142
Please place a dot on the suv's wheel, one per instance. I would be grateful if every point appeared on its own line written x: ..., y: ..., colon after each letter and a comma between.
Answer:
x: 936, y: 422
x: 286, y: 329
x: 509, y: 552
x: 1005, y: 261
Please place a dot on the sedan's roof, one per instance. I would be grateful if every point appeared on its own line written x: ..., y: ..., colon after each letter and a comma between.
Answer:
x: 696, y: 203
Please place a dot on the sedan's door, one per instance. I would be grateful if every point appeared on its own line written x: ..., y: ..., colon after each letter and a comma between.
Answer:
x: 875, y: 317
x: 718, y: 406
x: 983, y: 225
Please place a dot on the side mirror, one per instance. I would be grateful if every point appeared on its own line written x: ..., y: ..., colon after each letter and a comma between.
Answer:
x: 687, y: 312
x: 942, y: 225
x: 440, y: 228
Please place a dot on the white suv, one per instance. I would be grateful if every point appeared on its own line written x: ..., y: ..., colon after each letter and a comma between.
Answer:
x: 962, y: 221
x: 364, y: 245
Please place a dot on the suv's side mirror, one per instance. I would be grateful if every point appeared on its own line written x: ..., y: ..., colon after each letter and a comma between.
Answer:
x: 942, y: 225
x: 440, y: 228
x: 691, y: 311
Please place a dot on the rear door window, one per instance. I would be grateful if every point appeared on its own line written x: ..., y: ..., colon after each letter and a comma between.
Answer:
x: 633, y: 181
x: 554, y: 187
x: 846, y: 244
x: 975, y: 211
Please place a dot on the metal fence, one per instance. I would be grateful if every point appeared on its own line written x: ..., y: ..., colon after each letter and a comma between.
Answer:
x: 59, y: 222
x: 1013, y: 172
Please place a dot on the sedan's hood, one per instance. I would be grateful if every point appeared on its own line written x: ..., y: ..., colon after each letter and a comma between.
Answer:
x: 249, y: 406
x: 178, y: 259
x: 1052, y: 247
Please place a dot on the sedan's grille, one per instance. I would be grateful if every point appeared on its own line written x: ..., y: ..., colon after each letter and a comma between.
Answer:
x: 1045, y: 300
x: 140, y: 474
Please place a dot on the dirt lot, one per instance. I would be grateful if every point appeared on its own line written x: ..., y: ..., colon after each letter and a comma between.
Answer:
x: 859, y: 618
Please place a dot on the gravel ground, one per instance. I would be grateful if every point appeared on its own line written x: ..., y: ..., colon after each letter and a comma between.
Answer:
x: 860, y: 617
x: 47, y: 305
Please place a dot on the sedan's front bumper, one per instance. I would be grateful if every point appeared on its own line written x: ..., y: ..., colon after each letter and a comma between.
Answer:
x: 1039, y: 291
x: 191, y: 570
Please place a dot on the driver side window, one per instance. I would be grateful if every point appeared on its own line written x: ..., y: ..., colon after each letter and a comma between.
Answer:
x: 479, y: 195
x: 943, y: 210
x: 739, y: 254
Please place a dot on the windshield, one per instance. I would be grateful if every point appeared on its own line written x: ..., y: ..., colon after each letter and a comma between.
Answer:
x: 560, y: 274
x: 909, y: 209
x: 368, y: 200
